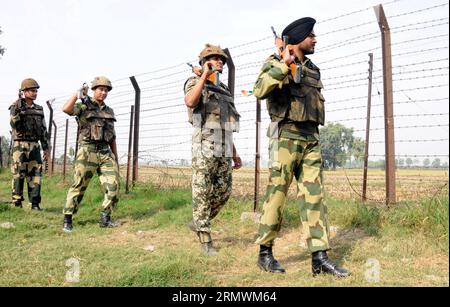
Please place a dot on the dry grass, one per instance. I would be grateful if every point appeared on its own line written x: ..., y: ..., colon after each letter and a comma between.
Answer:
x: 340, y: 184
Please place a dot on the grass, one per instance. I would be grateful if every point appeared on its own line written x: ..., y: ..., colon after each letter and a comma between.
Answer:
x: 409, y: 241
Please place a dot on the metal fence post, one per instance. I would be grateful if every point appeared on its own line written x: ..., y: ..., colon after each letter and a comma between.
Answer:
x: 231, y: 72
x: 54, y: 147
x: 388, y: 104
x: 137, y: 110
x: 78, y: 137
x: 130, y: 140
x: 1, y: 152
x: 366, y: 152
x: 257, y: 155
x: 65, y: 150
x: 50, y: 122
x: 11, y: 142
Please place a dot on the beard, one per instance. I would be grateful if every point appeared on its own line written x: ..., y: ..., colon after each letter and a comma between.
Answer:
x: 308, y: 51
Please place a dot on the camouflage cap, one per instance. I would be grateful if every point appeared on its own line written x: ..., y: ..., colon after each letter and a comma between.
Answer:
x: 101, y: 81
x: 28, y: 84
x: 211, y: 50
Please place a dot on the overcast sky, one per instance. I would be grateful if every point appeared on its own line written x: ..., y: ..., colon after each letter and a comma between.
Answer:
x: 63, y: 43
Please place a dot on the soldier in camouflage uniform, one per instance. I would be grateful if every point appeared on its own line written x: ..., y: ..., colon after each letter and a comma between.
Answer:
x: 214, y: 117
x: 28, y: 128
x: 97, y: 151
x: 292, y: 86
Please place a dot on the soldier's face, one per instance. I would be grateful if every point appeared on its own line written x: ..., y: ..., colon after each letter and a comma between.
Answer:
x: 217, y: 62
x: 308, y: 45
x: 31, y: 94
x: 100, y: 93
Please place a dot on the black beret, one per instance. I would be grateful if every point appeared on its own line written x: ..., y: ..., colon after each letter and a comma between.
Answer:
x: 299, y: 30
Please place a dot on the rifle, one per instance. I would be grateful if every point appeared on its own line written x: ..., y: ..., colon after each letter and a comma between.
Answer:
x: 214, y: 77
x: 282, y: 44
x: 21, y: 105
x: 82, y: 92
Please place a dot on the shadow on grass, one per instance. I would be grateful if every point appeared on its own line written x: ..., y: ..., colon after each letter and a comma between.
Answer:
x: 341, y: 246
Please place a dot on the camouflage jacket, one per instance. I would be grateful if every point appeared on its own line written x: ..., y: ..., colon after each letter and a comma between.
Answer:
x: 28, y: 123
x: 96, y: 122
x: 296, y: 102
x: 216, y: 107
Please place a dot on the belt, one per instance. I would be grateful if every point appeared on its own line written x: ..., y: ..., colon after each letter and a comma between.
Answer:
x: 31, y: 141
x: 95, y: 146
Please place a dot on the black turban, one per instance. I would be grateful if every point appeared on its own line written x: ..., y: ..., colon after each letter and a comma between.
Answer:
x: 299, y: 30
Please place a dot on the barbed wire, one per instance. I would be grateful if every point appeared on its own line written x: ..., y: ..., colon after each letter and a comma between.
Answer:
x: 412, y: 141
x: 418, y: 11
x: 353, y: 13
x: 410, y: 156
x: 406, y: 127
x: 159, y: 85
x: 396, y: 116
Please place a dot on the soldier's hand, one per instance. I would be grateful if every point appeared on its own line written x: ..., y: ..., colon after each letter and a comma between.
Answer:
x: 287, y: 56
x: 82, y: 92
x: 197, y: 70
x: 279, y: 45
x: 237, y: 162
x: 207, y: 69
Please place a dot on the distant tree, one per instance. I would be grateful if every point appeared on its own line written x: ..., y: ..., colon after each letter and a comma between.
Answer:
x: 382, y: 164
x: 401, y: 162
x: 409, y: 162
x: 436, y: 163
x: 416, y: 162
x: 445, y: 165
x: 71, y: 154
x: 358, y: 149
x: 426, y: 162
x: 2, y: 50
x: 336, y: 144
x: 60, y: 160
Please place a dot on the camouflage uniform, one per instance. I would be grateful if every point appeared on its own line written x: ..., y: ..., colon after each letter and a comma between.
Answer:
x: 214, y: 119
x: 28, y: 128
x: 296, y: 109
x: 94, y: 155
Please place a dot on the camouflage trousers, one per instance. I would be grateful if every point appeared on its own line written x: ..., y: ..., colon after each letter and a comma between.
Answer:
x: 211, y: 189
x: 26, y: 164
x: 93, y: 159
x: 303, y: 159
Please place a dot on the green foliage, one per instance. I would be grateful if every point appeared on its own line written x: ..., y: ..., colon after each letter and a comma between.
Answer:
x: 35, y: 251
x: 367, y: 218
x: 436, y: 163
x: 338, y: 145
x: 178, y: 270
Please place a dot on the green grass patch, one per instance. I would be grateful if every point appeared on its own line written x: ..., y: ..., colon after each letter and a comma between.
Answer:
x: 35, y: 252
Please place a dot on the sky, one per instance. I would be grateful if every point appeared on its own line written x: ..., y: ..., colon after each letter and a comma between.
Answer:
x: 64, y: 43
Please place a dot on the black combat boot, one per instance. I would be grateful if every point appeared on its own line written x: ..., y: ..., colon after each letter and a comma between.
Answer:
x: 321, y: 264
x: 208, y: 249
x: 17, y: 204
x: 267, y: 262
x: 35, y: 206
x: 67, y: 227
x: 106, y: 222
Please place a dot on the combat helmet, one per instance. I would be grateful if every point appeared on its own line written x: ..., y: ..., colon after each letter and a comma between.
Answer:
x: 211, y: 50
x: 101, y: 81
x: 28, y: 84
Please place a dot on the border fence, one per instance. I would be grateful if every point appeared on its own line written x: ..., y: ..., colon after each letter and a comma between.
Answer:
x: 385, y: 88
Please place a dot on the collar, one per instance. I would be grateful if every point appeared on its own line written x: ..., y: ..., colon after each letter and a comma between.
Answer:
x: 304, y: 63
x: 100, y: 106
